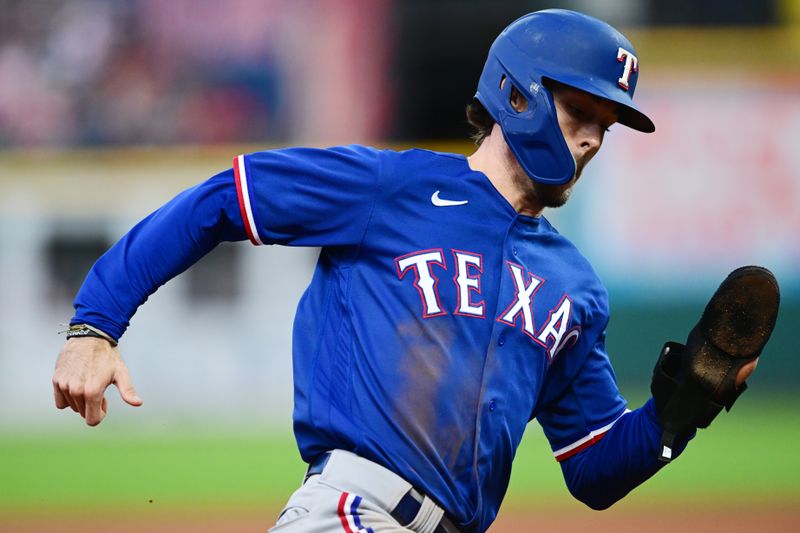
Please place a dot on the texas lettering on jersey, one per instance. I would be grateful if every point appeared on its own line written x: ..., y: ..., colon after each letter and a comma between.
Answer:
x: 554, y: 335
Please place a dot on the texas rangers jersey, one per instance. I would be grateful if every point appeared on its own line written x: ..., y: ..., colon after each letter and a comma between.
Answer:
x: 439, y: 321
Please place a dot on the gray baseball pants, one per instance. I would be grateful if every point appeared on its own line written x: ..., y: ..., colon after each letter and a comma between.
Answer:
x: 353, y: 495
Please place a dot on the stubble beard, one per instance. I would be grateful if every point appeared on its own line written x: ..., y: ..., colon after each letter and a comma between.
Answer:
x: 542, y: 194
x: 552, y: 195
x: 557, y: 195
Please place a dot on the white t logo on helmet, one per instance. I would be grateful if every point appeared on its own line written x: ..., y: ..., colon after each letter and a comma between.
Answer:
x: 631, y: 66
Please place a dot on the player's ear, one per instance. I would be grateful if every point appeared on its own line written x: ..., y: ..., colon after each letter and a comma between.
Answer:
x: 518, y: 102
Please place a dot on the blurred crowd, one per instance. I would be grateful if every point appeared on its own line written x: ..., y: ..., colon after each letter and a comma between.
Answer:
x: 110, y: 72
x: 88, y: 72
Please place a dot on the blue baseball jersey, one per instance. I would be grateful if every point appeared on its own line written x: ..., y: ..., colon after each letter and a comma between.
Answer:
x: 438, y: 322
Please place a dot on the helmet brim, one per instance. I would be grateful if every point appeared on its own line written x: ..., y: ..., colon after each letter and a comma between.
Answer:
x: 635, y: 119
x: 628, y: 114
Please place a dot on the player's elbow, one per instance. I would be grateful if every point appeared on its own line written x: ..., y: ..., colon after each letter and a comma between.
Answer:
x: 598, y: 504
x: 595, y: 491
x: 594, y: 497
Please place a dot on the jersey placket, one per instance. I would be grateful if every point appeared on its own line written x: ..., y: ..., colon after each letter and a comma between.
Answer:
x: 513, y: 367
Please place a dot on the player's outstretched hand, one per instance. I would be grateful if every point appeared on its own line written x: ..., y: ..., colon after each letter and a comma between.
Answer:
x: 85, y: 367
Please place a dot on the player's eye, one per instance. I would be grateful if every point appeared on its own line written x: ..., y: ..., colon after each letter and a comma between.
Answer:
x: 576, y: 111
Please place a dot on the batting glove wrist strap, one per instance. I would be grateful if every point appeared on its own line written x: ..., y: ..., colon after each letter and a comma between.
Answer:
x: 85, y: 330
x: 683, y: 405
x: 693, y: 382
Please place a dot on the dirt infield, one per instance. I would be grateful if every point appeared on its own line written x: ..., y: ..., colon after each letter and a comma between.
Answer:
x: 776, y: 520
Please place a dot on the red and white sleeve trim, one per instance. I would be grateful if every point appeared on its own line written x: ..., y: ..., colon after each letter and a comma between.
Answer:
x: 581, y: 444
x: 242, y: 191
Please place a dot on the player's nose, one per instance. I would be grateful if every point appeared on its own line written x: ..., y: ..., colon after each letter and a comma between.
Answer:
x: 590, y: 138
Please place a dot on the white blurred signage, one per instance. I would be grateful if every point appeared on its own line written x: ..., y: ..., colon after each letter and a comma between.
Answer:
x: 716, y: 186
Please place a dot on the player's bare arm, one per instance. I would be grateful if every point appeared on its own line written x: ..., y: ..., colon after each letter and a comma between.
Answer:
x: 85, y: 368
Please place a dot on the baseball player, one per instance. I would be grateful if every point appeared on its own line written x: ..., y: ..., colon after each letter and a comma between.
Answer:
x: 445, y: 311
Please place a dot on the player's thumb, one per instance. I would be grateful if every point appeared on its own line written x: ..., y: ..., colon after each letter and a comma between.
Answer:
x: 125, y: 386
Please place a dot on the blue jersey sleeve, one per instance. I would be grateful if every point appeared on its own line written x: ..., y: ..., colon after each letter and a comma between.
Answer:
x: 624, y: 458
x: 604, y: 449
x: 297, y: 196
x: 307, y: 196
x: 158, y: 248
x: 580, y: 405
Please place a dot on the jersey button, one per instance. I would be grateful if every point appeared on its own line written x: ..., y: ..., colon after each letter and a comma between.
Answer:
x: 501, y: 340
x: 492, y: 406
x: 514, y: 250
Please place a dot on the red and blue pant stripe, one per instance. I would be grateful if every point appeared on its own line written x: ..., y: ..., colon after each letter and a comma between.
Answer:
x: 348, y: 514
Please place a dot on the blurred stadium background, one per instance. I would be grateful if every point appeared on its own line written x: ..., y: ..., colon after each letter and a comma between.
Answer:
x: 110, y: 107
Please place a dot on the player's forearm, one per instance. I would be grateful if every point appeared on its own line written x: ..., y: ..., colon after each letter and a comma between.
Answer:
x: 626, y: 456
x: 157, y: 249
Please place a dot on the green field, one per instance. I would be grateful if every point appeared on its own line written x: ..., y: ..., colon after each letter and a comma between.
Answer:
x: 749, y: 455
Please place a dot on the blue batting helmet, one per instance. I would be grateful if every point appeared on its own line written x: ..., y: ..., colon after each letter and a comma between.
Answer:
x: 568, y: 47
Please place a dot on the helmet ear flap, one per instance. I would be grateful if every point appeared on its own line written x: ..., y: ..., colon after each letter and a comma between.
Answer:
x: 525, y: 115
x: 535, y: 137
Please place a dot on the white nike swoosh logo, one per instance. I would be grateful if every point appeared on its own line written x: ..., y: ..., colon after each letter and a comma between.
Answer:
x: 441, y: 202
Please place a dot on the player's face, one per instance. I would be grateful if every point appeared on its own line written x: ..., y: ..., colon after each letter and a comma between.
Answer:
x: 584, y: 120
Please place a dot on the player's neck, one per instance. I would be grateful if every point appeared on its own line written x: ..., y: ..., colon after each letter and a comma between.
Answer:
x: 494, y: 158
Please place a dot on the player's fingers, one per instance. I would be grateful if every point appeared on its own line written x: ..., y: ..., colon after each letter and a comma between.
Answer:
x: 126, y: 390
x: 76, y: 392
x: 61, y: 400
x: 94, y: 405
x: 68, y: 398
x: 746, y: 371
